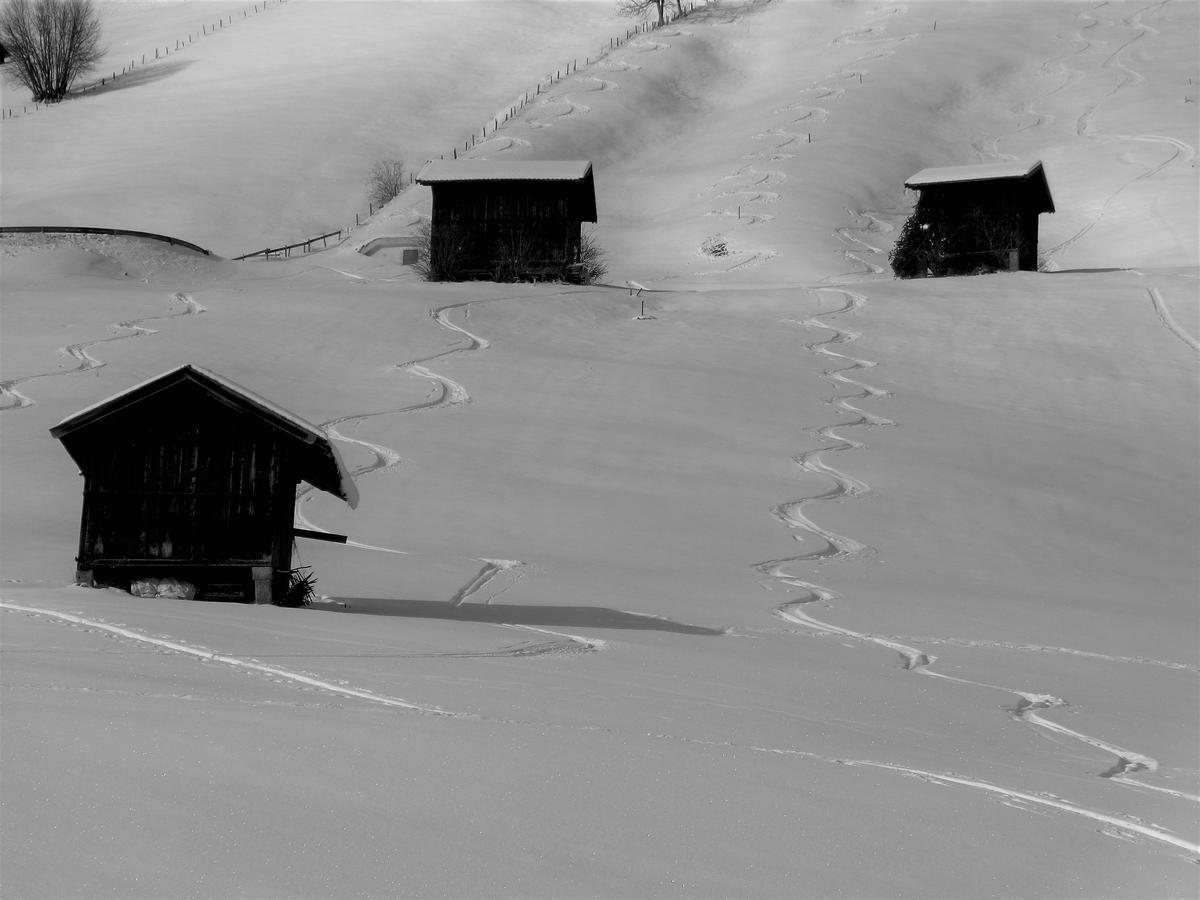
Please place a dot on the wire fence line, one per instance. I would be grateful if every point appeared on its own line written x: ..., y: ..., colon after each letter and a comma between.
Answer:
x: 495, y: 124
x: 307, y: 245
x: 160, y: 53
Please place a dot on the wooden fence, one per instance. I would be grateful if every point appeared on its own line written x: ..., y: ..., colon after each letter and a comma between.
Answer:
x: 286, y: 252
x: 496, y: 122
x: 180, y: 44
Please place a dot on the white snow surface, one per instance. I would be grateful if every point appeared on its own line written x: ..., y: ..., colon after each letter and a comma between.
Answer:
x: 798, y: 581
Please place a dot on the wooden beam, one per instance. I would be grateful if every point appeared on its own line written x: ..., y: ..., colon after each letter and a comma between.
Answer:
x: 319, y: 535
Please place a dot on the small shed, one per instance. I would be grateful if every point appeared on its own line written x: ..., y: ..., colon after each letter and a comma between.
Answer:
x: 988, y: 214
x: 509, y: 219
x: 191, y: 476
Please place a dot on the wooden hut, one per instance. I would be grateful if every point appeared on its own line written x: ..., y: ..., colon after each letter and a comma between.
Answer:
x: 988, y: 214
x: 190, y: 476
x: 509, y: 219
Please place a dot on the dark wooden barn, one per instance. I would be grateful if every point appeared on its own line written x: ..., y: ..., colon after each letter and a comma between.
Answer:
x: 509, y: 219
x: 987, y: 213
x: 190, y: 476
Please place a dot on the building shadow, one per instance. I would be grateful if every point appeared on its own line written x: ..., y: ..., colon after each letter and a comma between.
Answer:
x: 516, y: 614
x: 1087, y: 271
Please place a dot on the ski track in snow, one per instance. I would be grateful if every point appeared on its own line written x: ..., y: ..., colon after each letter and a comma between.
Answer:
x: 449, y: 393
x: 836, y: 546
x: 855, y: 239
x: 1113, y: 825
x: 1180, y: 150
x: 11, y: 398
x: 788, y: 143
x: 1168, y: 320
x: 202, y: 653
x: 509, y: 143
x: 842, y: 547
x: 1041, y: 648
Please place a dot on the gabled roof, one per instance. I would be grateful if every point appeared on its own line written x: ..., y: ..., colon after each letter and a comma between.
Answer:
x: 440, y: 171
x: 319, y: 462
x: 1033, y: 174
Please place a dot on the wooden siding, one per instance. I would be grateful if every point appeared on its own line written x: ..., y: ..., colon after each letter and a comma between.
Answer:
x: 182, y: 497
x: 189, y: 475
x: 200, y: 493
x: 997, y: 201
x: 485, y: 214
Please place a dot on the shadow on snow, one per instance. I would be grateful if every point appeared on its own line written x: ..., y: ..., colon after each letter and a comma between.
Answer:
x: 508, y: 614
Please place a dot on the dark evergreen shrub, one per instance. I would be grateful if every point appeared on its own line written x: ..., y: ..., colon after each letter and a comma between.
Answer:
x: 920, y: 249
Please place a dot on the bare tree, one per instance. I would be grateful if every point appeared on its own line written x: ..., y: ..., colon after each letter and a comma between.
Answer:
x: 385, y: 180
x: 642, y: 7
x: 52, y: 42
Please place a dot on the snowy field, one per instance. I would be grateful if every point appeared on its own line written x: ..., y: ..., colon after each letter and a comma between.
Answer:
x: 810, y: 583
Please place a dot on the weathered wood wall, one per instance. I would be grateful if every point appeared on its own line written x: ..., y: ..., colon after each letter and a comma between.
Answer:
x: 999, y: 201
x: 483, y: 215
x: 188, y: 491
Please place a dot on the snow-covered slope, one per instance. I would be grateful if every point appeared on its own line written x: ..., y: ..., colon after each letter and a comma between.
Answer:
x: 808, y: 583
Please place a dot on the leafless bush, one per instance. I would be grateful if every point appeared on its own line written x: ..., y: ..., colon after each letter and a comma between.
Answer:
x: 52, y: 43
x: 515, y: 253
x: 593, y: 262
x: 385, y: 180
x: 441, y: 252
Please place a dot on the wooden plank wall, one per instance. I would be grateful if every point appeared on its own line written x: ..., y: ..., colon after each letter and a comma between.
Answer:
x: 194, y: 494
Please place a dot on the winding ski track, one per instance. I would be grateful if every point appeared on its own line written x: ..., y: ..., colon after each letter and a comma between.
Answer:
x: 788, y: 142
x: 1030, y: 707
x: 11, y: 398
x: 834, y: 546
x: 1180, y: 151
x: 496, y: 576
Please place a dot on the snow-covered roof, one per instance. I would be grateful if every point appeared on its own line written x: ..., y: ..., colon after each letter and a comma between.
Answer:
x: 440, y: 171
x: 981, y: 172
x: 321, y: 464
x: 1000, y: 171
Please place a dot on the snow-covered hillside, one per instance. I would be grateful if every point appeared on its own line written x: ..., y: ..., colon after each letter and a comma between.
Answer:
x: 809, y: 583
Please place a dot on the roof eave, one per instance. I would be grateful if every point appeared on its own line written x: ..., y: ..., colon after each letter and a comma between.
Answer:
x: 325, y: 469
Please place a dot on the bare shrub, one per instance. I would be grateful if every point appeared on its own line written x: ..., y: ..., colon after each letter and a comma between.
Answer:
x: 515, y: 254
x: 441, y: 252
x: 385, y: 180
x: 52, y: 43
x: 593, y: 262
